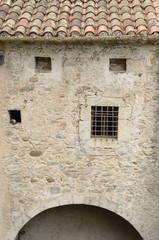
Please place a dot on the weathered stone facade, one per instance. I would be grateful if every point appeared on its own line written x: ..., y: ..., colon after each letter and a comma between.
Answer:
x: 50, y: 159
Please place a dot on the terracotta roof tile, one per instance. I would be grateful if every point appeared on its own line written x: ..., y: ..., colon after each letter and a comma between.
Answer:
x: 66, y: 18
x: 2, y: 15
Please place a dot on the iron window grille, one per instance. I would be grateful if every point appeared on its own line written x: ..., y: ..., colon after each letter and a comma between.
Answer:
x: 104, y: 121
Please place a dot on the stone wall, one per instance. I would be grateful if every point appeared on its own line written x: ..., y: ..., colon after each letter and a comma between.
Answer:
x: 51, y: 156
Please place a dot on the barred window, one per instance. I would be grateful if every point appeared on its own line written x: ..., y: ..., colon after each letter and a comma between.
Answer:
x: 104, y: 121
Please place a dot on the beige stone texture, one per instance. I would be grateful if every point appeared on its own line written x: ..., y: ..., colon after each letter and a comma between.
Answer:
x: 50, y: 160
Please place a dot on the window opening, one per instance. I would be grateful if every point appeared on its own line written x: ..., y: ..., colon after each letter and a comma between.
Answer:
x: 43, y: 64
x: 104, y: 121
x: 1, y: 59
x: 117, y: 64
x: 15, y: 116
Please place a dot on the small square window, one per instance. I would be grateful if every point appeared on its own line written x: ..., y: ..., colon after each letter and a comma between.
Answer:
x: 117, y: 64
x: 104, y: 121
x: 15, y: 116
x: 43, y: 64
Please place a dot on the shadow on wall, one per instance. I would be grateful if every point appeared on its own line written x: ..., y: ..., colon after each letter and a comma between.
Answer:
x: 80, y: 222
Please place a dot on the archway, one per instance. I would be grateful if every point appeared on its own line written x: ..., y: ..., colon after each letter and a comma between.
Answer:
x: 99, y: 200
x: 80, y: 222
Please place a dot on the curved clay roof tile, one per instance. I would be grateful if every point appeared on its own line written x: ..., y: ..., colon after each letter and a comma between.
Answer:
x: 102, y: 28
x: 115, y: 22
x: 7, y: 2
x: 26, y: 15
x: 138, y: 9
x: 52, y: 9
x: 154, y: 29
x: 4, y: 8
x: 128, y: 23
x: 101, y: 9
x: 153, y: 22
x: 28, y: 9
x: 125, y: 9
x: 40, y: 9
x: 79, y: 3
x: 101, y: 15
x: 124, y: 3
x: 136, y: 3
x: 126, y: 16
x: 50, y: 23
x: 19, y: 3
x: 141, y: 29
x: 90, y: 3
x: 63, y: 23
x: 114, y: 16
x: 77, y: 15
x: 151, y: 15
x: 10, y: 23
x: 103, y: 22
x: 130, y: 29
x: 48, y: 30
x: 90, y: 15
x: 21, y: 29
x: 139, y: 15
x: 34, y: 30
x: 75, y: 29
x: 3, y: 15
x: 149, y: 9
x: 65, y: 15
x: 55, y: 3
x: 52, y: 16
x: 140, y: 22
x: 147, y: 3
x: 75, y: 22
x: 116, y: 28
x: 23, y: 22
x: 6, y: 29
x: 112, y: 3
x: 62, y: 29
x: 89, y: 29
x: 90, y: 22
x: 90, y: 9
x: 43, y: 3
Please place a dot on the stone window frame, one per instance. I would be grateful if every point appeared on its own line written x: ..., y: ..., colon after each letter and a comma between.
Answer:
x: 124, y: 123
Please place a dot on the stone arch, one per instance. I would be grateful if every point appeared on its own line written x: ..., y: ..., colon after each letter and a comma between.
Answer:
x: 68, y: 199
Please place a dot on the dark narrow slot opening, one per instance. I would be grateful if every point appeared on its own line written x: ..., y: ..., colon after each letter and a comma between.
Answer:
x: 15, y: 116
x: 1, y: 59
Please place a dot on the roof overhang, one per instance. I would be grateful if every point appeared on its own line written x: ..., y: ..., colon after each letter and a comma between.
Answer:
x: 109, y: 40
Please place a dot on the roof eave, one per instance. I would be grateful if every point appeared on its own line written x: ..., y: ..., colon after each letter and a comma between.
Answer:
x: 151, y: 39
